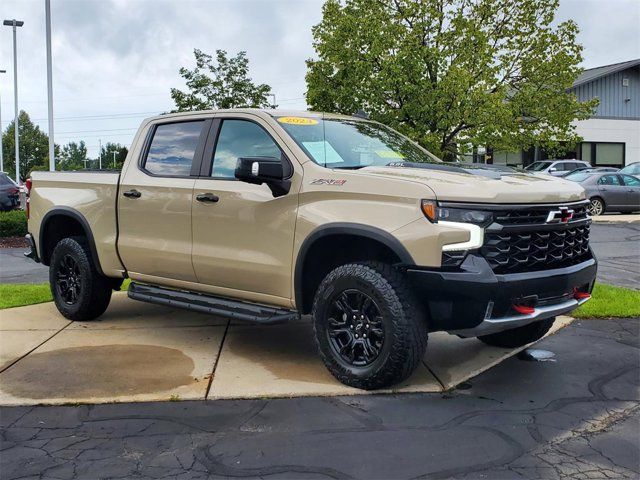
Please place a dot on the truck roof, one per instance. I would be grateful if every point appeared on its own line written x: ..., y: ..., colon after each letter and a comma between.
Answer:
x: 256, y: 111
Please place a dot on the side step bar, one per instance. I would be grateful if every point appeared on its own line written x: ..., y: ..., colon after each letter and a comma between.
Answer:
x: 223, y: 307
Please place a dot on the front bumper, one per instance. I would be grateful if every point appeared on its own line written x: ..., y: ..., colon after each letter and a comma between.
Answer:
x: 472, y: 300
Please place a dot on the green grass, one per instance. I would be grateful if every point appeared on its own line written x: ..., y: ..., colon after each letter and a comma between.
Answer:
x: 20, y: 294
x: 607, y: 301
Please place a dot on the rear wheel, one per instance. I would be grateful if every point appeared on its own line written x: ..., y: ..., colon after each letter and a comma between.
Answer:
x: 369, y: 330
x: 596, y: 207
x: 518, y: 337
x: 79, y: 291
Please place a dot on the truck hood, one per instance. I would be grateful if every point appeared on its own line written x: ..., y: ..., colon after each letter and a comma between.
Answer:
x: 484, y: 184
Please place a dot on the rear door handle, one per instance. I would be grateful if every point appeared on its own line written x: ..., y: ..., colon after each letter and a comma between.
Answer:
x: 207, y: 197
x: 132, y: 194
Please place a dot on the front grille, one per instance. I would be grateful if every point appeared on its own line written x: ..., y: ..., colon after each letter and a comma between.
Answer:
x: 520, y: 240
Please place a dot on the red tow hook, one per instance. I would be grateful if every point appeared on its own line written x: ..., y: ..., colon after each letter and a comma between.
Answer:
x: 523, y: 309
x: 580, y: 295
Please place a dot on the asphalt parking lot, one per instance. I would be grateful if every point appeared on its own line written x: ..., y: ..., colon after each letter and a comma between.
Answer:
x: 576, y: 415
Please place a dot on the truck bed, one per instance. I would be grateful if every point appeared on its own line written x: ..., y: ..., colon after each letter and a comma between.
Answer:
x: 92, y: 194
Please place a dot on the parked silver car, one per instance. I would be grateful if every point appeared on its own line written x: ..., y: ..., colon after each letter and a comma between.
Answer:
x: 556, y: 168
x: 631, y: 169
x: 609, y: 192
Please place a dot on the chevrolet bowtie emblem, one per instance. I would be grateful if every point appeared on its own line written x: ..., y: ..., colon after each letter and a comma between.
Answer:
x: 562, y: 215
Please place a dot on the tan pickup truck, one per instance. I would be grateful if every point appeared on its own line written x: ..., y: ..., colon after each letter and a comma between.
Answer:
x: 264, y: 216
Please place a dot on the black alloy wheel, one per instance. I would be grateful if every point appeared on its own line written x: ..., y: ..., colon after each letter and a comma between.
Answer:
x: 355, y: 328
x: 69, y: 280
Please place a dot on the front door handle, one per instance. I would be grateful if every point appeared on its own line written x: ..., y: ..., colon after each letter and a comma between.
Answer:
x: 207, y: 197
x: 132, y: 194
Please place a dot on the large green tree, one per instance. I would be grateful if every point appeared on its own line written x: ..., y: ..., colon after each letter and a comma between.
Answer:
x: 113, y: 155
x: 34, y: 147
x: 219, y: 83
x: 72, y: 156
x: 451, y: 73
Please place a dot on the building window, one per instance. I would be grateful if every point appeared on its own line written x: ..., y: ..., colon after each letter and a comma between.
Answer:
x: 601, y: 154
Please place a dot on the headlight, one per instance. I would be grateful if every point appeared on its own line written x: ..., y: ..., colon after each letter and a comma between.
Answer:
x: 459, y: 215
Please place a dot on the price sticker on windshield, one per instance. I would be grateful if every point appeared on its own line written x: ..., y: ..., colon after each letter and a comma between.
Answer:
x: 297, y: 121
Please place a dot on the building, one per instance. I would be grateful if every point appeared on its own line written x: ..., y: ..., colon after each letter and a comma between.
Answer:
x: 611, y: 137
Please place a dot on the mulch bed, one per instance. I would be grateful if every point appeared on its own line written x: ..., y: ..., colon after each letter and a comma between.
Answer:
x: 13, y: 242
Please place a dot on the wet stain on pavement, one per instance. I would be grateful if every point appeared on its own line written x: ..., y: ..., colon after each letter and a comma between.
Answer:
x: 104, y: 371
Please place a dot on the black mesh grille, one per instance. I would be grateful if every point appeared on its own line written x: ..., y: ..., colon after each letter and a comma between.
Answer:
x: 522, y: 241
x: 530, y: 251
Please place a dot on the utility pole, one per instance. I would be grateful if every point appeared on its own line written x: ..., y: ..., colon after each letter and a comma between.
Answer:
x: 52, y: 160
x: 1, y: 150
x: 15, y: 23
x: 99, y: 154
x: 114, y: 160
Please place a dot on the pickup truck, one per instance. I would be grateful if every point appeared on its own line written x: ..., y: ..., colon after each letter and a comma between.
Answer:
x: 268, y: 215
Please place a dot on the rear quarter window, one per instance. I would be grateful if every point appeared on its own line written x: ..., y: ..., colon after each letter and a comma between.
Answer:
x: 173, y: 148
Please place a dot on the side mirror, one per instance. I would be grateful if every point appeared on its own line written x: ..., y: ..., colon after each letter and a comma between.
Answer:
x: 553, y: 169
x: 259, y: 170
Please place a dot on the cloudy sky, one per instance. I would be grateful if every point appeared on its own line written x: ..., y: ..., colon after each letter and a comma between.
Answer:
x: 114, y: 61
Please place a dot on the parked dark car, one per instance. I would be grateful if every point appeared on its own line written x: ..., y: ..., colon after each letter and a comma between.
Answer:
x: 609, y: 192
x: 9, y: 193
x: 590, y: 170
x: 631, y: 169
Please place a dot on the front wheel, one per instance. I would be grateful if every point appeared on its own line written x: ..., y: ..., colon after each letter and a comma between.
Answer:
x: 518, y: 337
x: 596, y: 207
x: 79, y: 291
x: 368, y: 328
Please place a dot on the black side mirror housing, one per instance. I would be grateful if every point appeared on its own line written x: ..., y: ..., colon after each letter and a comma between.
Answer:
x: 259, y: 170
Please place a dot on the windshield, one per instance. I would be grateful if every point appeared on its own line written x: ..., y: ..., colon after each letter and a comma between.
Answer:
x: 346, y: 143
x: 538, y: 166
x: 633, y: 169
x: 578, y: 176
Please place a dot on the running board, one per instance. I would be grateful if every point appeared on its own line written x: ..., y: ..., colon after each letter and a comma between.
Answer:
x: 224, y: 307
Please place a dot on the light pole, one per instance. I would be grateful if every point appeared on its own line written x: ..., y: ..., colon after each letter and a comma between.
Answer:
x: 100, y: 154
x: 273, y: 105
x: 15, y: 23
x: 1, y: 149
x: 52, y: 160
x: 114, y: 160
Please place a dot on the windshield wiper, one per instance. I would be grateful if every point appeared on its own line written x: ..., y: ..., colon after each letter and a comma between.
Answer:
x: 351, y: 167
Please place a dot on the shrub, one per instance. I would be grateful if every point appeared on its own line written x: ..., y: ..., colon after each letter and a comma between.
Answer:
x: 13, y: 223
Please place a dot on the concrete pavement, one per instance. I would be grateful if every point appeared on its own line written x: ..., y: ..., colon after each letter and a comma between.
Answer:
x: 142, y: 352
x: 575, y: 416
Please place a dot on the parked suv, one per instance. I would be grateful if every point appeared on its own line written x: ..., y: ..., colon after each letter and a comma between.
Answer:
x: 264, y: 216
x: 557, y: 168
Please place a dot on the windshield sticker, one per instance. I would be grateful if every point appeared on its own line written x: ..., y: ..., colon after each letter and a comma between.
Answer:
x: 388, y: 154
x: 328, y: 181
x: 297, y: 121
x: 323, y: 153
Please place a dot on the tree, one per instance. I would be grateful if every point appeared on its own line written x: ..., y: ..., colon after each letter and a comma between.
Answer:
x: 451, y: 72
x: 219, y: 83
x: 107, y: 153
x: 34, y: 147
x: 72, y: 156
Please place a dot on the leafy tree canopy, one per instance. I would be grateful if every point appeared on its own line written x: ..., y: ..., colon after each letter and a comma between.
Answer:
x: 451, y: 72
x: 113, y: 155
x: 219, y: 83
x: 72, y: 156
x: 34, y: 147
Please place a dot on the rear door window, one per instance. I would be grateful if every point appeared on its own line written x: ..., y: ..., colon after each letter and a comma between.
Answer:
x: 173, y: 148
x: 609, y: 180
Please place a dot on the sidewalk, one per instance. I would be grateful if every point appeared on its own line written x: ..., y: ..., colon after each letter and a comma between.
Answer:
x: 143, y: 352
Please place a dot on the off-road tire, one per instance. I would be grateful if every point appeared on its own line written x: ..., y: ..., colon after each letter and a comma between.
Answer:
x: 94, y: 292
x: 405, y: 330
x: 518, y: 337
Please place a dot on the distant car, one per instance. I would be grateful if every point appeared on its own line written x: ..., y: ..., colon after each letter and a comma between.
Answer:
x: 556, y: 167
x: 9, y: 193
x: 589, y: 170
x: 609, y: 192
x: 631, y: 169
